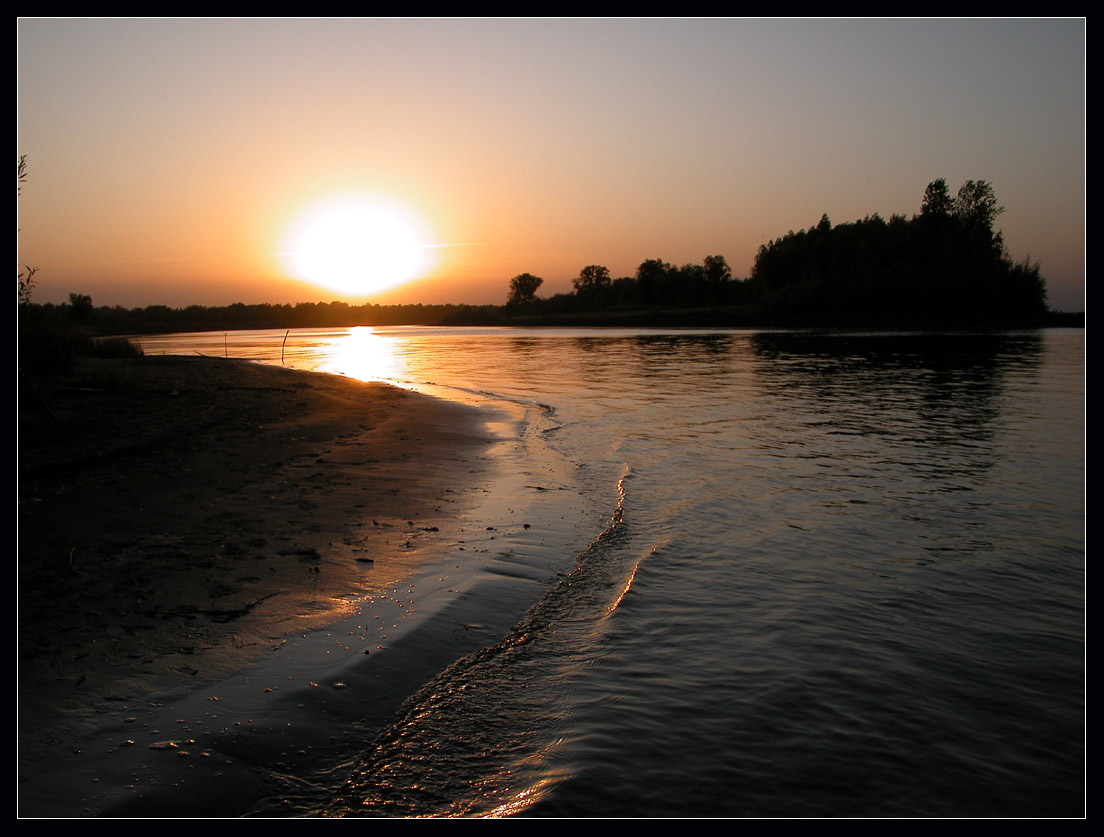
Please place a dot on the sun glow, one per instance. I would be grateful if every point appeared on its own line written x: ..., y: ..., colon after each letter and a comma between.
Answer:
x: 364, y: 355
x: 357, y: 245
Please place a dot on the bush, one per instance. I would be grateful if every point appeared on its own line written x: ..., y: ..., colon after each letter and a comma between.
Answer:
x: 111, y: 347
x: 51, y: 349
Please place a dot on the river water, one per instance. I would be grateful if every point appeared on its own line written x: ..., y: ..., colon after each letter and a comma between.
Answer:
x: 801, y: 574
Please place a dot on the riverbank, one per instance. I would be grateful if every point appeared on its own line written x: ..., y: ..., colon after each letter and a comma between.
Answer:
x: 178, y: 517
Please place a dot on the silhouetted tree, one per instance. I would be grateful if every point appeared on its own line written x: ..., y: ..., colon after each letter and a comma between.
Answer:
x: 976, y: 208
x: 80, y: 307
x: 652, y: 280
x: 689, y: 287
x: 718, y: 276
x: 652, y: 269
x: 937, y: 202
x: 593, y: 277
x: 523, y: 289
x: 977, y: 203
x: 651, y: 277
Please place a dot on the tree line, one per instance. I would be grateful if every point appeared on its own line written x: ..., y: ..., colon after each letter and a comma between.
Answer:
x: 162, y: 318
x: 655, y: 285
x: 945, y: 265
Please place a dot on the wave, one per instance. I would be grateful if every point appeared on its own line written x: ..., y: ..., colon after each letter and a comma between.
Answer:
x: 482, y: 738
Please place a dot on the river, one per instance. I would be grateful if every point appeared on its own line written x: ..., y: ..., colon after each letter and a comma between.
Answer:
x: 799, y: 574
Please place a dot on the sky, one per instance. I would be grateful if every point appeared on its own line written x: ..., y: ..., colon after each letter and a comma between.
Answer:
x: 205, y: 161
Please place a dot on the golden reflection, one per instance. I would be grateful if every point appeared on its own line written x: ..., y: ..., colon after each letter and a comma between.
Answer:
x: 364, y: 355
x: 624, y: 591
x: 547, y: 777
x: 522, y: 800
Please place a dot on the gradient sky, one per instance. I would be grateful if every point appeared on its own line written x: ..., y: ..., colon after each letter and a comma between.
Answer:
x: 166, y: 158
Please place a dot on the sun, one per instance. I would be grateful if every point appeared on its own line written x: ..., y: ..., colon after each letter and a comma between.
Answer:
x: 357, y: 245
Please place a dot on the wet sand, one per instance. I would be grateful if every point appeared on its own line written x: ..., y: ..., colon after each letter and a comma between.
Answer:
x: 180, y: 518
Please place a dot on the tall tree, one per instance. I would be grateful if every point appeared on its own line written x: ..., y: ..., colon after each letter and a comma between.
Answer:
x: 652, y: 278
x: 976, y: 205
x: 938, y: 202
x: 523, y: 289
x: 592, y: 278
x: 80, y: 307
x: 717, y: 271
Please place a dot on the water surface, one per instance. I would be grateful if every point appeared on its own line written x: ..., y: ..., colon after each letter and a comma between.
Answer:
x: 813, y: 574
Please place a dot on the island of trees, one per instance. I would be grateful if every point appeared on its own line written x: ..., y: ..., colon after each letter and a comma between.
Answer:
x: 945, y: 266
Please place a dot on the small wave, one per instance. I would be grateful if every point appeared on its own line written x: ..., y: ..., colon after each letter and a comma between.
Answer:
x: 479, y: 739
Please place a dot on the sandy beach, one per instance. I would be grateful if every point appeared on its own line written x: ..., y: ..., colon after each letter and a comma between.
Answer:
x: 180, y: 517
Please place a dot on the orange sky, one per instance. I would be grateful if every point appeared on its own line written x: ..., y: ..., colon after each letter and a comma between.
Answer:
x: 167, y: 158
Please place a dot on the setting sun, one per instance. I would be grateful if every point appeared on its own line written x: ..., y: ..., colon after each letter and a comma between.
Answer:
x: 357, y: 245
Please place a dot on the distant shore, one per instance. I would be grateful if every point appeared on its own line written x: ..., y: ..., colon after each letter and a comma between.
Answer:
x: 177, y: 516
x: 160, y: 319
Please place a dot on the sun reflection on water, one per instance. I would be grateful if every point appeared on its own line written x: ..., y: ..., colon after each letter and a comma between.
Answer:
x: 364, y: 355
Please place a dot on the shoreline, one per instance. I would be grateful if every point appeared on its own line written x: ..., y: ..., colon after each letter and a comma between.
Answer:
x: 180, y: 517
x: 148, y: 688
